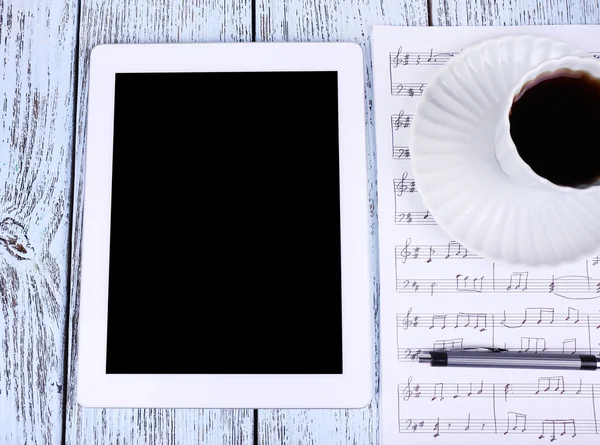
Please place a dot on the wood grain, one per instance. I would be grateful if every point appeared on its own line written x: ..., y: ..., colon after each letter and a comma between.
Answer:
x: 332, y: 20
x: 37, y: 45
x: 519, y: 12
x: 143, y: 21
x: 38, y: 41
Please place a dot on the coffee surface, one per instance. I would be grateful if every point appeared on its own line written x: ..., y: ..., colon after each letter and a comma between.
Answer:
x: 555, y: 125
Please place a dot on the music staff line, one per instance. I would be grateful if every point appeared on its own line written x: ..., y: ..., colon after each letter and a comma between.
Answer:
x: 430, y: 252
x: 530, y: 317
x: 415, y: 89
x: 404, y: 185
x: 552, y: 429
x: 414, y: 218
x: 408, y: 354
x: 534, y: 345
x: 407, y: 89
x: 400, y: 58
x: 401, y: 120
x: 548, y: 387
x: 584, y: 287
x: 401, y: 152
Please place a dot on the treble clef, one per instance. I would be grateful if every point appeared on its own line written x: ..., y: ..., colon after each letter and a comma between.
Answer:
x: 404, y: 253
x: 406, y: 323
x: 407, y: 393
x: 398, y: 121
x: 396, y: 59
x: 401, y: 187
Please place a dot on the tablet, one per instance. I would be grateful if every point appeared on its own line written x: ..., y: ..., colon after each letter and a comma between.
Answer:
x: 225, y: 252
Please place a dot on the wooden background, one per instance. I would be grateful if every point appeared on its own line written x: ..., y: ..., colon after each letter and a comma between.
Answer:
x: 45, y: 46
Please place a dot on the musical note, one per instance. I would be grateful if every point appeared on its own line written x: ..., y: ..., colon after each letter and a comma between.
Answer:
x: 516, y: 421
x: 456, y: 249
x: 432, y: 286
x: 456, y: 395
x: 467, y: 284
x: 518, y: 281
x: 438, y: 392
x: 443, y: 345
x: 539, y: 344
x: 436, y: 428
x: 572, y: 313
x: 569, y: 346
x: 431, y: 252
x: 539, y: 315
x: 479, y: 321
x: 557, y: 383
x: 438, y: 320
x: 565, y: 424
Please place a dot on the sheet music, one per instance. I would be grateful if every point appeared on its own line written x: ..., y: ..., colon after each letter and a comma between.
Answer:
x: 436, y: 294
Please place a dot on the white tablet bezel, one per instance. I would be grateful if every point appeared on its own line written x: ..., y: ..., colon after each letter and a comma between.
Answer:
x: 353, y: 388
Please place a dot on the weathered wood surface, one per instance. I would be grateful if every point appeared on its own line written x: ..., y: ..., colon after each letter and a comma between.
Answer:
x: 40, y: 74
x: 37, y: 53
x: 332, y: 20
x: 143, y: 21
x: 519, y: 12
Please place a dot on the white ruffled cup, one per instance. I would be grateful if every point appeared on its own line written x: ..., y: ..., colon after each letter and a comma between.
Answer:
x: 506, y: 152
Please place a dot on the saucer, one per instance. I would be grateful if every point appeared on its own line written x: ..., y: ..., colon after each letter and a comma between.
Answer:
x: 460, y: 180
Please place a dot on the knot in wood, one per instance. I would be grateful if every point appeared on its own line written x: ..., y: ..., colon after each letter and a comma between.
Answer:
x: 15, y: 240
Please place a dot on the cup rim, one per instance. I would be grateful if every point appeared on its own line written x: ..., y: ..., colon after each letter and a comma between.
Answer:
x: 587, y: 63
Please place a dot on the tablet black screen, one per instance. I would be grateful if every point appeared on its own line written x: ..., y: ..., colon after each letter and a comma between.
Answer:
x: 225, y: 224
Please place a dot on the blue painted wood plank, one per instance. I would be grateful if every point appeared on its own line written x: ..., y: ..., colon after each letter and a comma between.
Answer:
x: 142, y: 21
x: 336, y: 20
x: 507, y: 12
x: 37, y: 54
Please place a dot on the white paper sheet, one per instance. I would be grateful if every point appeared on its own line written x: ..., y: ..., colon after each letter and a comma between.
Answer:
x: 435, y: 294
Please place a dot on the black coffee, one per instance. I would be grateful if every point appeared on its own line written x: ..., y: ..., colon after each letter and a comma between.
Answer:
x: 555, y: 125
